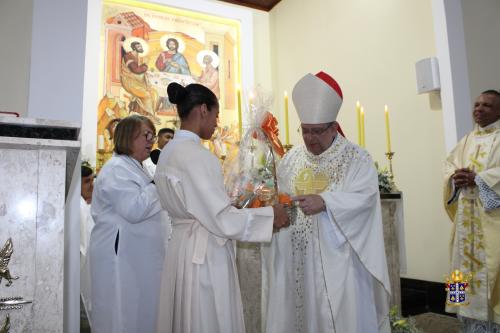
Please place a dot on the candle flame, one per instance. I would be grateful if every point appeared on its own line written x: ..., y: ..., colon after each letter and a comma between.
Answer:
x: 286, y: 94
x: 362, y: 110
x: 238, y: 86
x: 386, y: 109
x: 357, y: 104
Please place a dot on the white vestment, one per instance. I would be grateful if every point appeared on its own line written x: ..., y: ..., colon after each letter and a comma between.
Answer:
x: 200, y: 290
x: 126, y: 248
x: 149, y: 166
x: 86, y: 225
x: 327, y: 272
x: 475, y: 242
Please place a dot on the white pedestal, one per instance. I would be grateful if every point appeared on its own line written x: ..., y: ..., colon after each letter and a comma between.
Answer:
x: 33, y: 174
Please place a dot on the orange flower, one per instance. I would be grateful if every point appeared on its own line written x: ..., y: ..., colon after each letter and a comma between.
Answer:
x: 285, y: 199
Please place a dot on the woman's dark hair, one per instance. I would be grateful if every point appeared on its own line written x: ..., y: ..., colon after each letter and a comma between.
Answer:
x: 186, y: 98
x: 86, y: 170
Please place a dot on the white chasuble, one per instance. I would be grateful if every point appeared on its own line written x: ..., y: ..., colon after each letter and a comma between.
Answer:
x: 475, y: 244
x: 327, y: 272
x: 200, y: 290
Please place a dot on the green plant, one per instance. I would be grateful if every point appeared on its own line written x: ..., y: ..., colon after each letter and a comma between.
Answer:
x: 400, y: 324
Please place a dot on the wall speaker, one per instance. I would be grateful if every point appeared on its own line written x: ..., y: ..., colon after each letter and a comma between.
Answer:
x: 427, y: 75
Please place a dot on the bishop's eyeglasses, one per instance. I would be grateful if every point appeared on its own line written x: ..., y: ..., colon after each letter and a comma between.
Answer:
x: 314, y: 131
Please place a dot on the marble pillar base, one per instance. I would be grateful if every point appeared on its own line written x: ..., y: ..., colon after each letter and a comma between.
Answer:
x: 32, y: 213
x: 250, y: 275
x: 392, y: 218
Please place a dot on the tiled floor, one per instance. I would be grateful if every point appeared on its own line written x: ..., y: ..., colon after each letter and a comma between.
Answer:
x: 437, y: 323
x: 426, y: 322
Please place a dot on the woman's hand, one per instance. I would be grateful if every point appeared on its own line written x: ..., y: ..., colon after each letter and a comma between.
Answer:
x: 280, y: 217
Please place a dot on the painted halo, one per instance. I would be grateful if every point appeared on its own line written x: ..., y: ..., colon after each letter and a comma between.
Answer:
x: 202, y: 54
x: 163, y: 42
x: 127, y: 45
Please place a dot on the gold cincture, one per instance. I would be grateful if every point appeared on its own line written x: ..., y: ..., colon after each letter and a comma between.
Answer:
x: 5, y: 255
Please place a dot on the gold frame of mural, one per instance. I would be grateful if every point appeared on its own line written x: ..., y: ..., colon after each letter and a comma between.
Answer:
x: 133, y: 79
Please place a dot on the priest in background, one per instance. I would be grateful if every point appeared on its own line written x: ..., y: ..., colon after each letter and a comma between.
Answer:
x: 327, y: 272
x: 164, y: 136
x: 472, y: 201
x: 86, y: 225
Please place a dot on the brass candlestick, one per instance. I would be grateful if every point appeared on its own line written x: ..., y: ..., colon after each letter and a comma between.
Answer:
x: 287, y: 148
x: 390, y: 155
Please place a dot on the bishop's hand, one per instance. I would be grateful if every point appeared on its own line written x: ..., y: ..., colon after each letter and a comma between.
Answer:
x: 310, y: 204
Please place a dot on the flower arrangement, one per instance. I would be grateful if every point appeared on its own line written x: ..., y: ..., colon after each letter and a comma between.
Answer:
x: 400, y: 324
x: 385, y: 180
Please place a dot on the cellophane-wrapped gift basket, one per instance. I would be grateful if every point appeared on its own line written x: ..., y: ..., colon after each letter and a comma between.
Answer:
x: 251, y: 179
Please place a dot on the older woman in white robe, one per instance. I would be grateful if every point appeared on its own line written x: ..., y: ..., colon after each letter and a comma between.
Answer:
x: 127, y: 243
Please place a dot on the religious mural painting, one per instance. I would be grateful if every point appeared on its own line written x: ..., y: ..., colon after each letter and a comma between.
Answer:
x: 147, y: 46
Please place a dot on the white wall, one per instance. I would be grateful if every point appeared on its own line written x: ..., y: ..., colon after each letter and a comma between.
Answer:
x: 453, y: 72
x: 262, y: 50
x: 57, y: 60
x: 15, y: 38
x: 482, y: 31
x: 371, y: 49
x: 56, y: 92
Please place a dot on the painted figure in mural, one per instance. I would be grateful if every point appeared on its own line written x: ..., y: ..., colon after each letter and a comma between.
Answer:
x: 133, y: 79
x: 472, y: 201
x: 171, y: 60
x: 210, y: 75
x: 109, y: 133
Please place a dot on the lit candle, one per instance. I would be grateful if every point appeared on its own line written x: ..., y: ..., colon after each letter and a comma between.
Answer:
x: 387, y: 129
x: 250, y: 109
x: 287, y: 133
x: 240, y: 117
x: 250, y: 100
x: 362, y: 126
x: 358, y: 117
x: 100, y: 142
